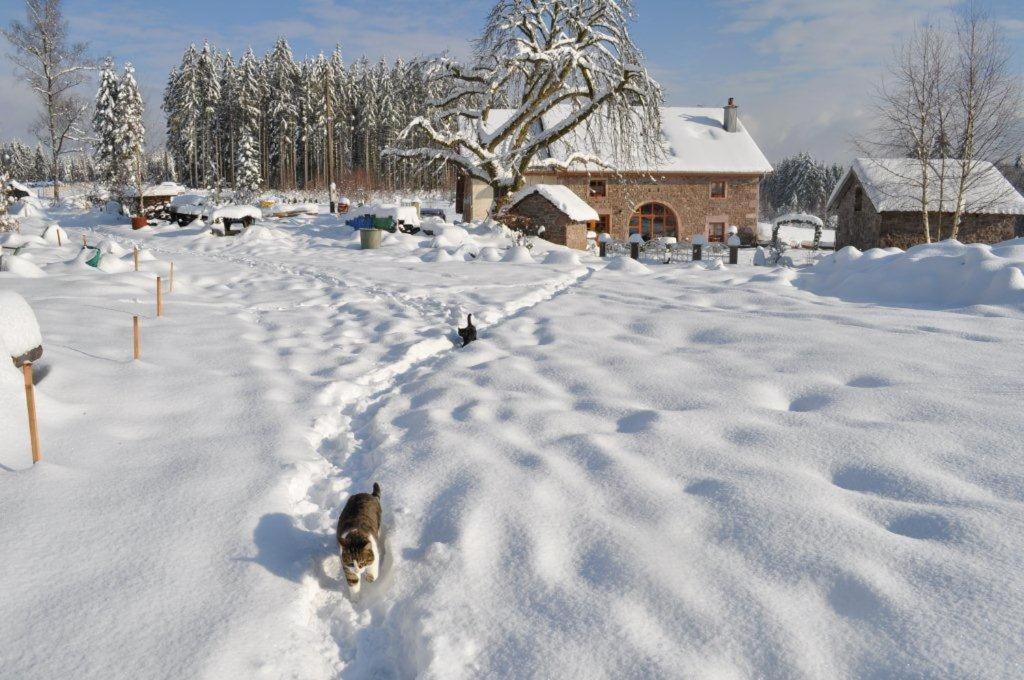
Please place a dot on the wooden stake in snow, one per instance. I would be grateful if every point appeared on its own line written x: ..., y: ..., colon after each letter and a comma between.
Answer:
x: 136, y: 341
x: 170, y: 284
x: 159, y: 297
x: 30, y: 400
x: 136, y: 256
x: 84, y: 244
x: 59, y: 244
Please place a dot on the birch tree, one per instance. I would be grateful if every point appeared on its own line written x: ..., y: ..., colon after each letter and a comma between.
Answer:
x: 563, y: 67
x: 987, y: 106
x: 53, y: 67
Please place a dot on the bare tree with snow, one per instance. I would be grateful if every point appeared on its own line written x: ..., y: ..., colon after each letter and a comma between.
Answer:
x: 987, y: 105
x: 53, y: 67
x: 563, y: 67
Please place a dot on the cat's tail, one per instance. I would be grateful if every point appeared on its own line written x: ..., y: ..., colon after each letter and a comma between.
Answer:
x: 376, y: 489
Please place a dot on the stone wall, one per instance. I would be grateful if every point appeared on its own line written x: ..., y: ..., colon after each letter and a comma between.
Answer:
x: 558, y: 228
x: 689, y: 196
x: 869, y: 229
x: 859, y: 229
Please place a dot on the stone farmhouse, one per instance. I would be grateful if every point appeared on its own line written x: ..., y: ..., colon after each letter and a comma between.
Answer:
x: 878, y: 204
x: 706, y: 180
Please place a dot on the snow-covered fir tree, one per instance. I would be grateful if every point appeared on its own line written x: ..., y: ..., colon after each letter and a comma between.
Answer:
x: 105, y: 123
x: 131, y: 132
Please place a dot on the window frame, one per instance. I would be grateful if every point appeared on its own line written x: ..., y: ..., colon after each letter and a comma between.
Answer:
x: 670, y: 226
x: 603, y: 183
x: 725, y: 189
x: 712, y: 237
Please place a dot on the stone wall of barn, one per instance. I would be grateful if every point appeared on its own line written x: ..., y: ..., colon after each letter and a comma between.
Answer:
x: 859, y: 229
x: 689, y: 196
x: 868, y: 229
x: 558, y: 228
x: 903, y: 229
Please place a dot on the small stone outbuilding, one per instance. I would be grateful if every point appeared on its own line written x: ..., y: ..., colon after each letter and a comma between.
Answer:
x: 566, y: 217
x: 878, y: 204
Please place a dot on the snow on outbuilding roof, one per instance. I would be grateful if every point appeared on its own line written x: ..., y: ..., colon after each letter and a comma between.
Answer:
x: 694, y: 140
x: 894, y: 185
x: 18, y: 186
x: 563, y: 198
x: 162, y: 189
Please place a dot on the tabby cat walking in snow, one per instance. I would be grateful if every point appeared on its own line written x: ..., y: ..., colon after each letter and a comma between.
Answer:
x: 359, y: 538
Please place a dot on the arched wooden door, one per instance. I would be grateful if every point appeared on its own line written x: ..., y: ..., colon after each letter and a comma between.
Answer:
x: 654, y: 220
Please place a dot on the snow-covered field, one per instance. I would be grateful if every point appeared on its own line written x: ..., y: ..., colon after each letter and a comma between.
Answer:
x: 664, y: 471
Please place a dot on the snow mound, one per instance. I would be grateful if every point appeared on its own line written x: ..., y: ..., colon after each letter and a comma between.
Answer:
x: 22, y: 266
x: 439, y: 255
x: 627, y: 264
x: 561, y: 257
x: 940, y: 275
x: 448, y: 235
x: 489, y: 254
x: 517, y: 255
x: 19, y: 330
x: 146, y: 256
x: 261, y: 233
x: 111, y: 264
x: 14, y: 240
x: 51, y: 233
x: 25, y: 209
x: 114, y: 248
x: 467, y: 251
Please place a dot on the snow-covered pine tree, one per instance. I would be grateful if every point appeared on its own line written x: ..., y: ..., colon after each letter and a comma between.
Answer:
x: 566, y: 67
x: 104, y: 124
x: 131, y: 133
x: 248, y: 165
x: 283, y: 112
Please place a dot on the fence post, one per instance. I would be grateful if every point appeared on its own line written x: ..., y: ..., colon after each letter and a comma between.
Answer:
x: 135, y: 255
x: 136, y: 340
x: 634, y: 245
x: 30, y: 401
x: 159, y: 297
x: 734, y: 249
x: 699, y: 241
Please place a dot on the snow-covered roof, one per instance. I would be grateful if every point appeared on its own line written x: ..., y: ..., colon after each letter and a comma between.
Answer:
x: 15, y: 184
x: 894, y: 185
x: 563, y: 198
x: 695, y: 141
x: 237, y: 212
x: 162, y: 189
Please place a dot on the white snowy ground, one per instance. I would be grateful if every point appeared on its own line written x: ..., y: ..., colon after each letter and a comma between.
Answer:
x: 664, y: 472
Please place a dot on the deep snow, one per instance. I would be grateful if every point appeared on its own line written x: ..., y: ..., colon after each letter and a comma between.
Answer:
x: 638, y: 471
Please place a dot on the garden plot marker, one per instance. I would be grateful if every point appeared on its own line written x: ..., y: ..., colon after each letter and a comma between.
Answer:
x: 30, y: 401
x: 136, y: 341
x: 159, y: 297
x: 135, y: 254
x: 170, y: 284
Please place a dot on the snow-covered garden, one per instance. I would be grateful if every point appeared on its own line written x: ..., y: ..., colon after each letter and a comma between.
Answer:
x: 639, y: 469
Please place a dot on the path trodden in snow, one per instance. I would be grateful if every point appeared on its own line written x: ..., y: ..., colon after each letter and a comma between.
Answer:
x: 683, y: 473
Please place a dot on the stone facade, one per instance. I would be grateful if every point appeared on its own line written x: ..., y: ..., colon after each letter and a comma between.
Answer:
x: 558, y: 228
x: 867, y: 228
x: 689, y: 197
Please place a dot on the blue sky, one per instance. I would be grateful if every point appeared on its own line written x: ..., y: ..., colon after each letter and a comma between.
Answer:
x: 801, y: 70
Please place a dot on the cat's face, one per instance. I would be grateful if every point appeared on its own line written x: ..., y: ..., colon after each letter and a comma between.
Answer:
x: 356, y: 553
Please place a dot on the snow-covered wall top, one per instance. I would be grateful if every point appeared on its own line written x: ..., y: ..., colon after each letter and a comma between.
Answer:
x: 162, y: 189
x: 695, y: 141
x: 894, y: 185
x: 563, y: 198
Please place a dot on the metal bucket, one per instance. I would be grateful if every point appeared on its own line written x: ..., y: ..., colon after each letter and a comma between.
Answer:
x: 370, y: 238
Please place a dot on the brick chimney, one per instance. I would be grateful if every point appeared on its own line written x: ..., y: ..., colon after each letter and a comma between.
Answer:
x: 731, y: 122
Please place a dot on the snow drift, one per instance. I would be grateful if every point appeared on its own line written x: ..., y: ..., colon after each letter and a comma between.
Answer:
x: 941, y: 275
